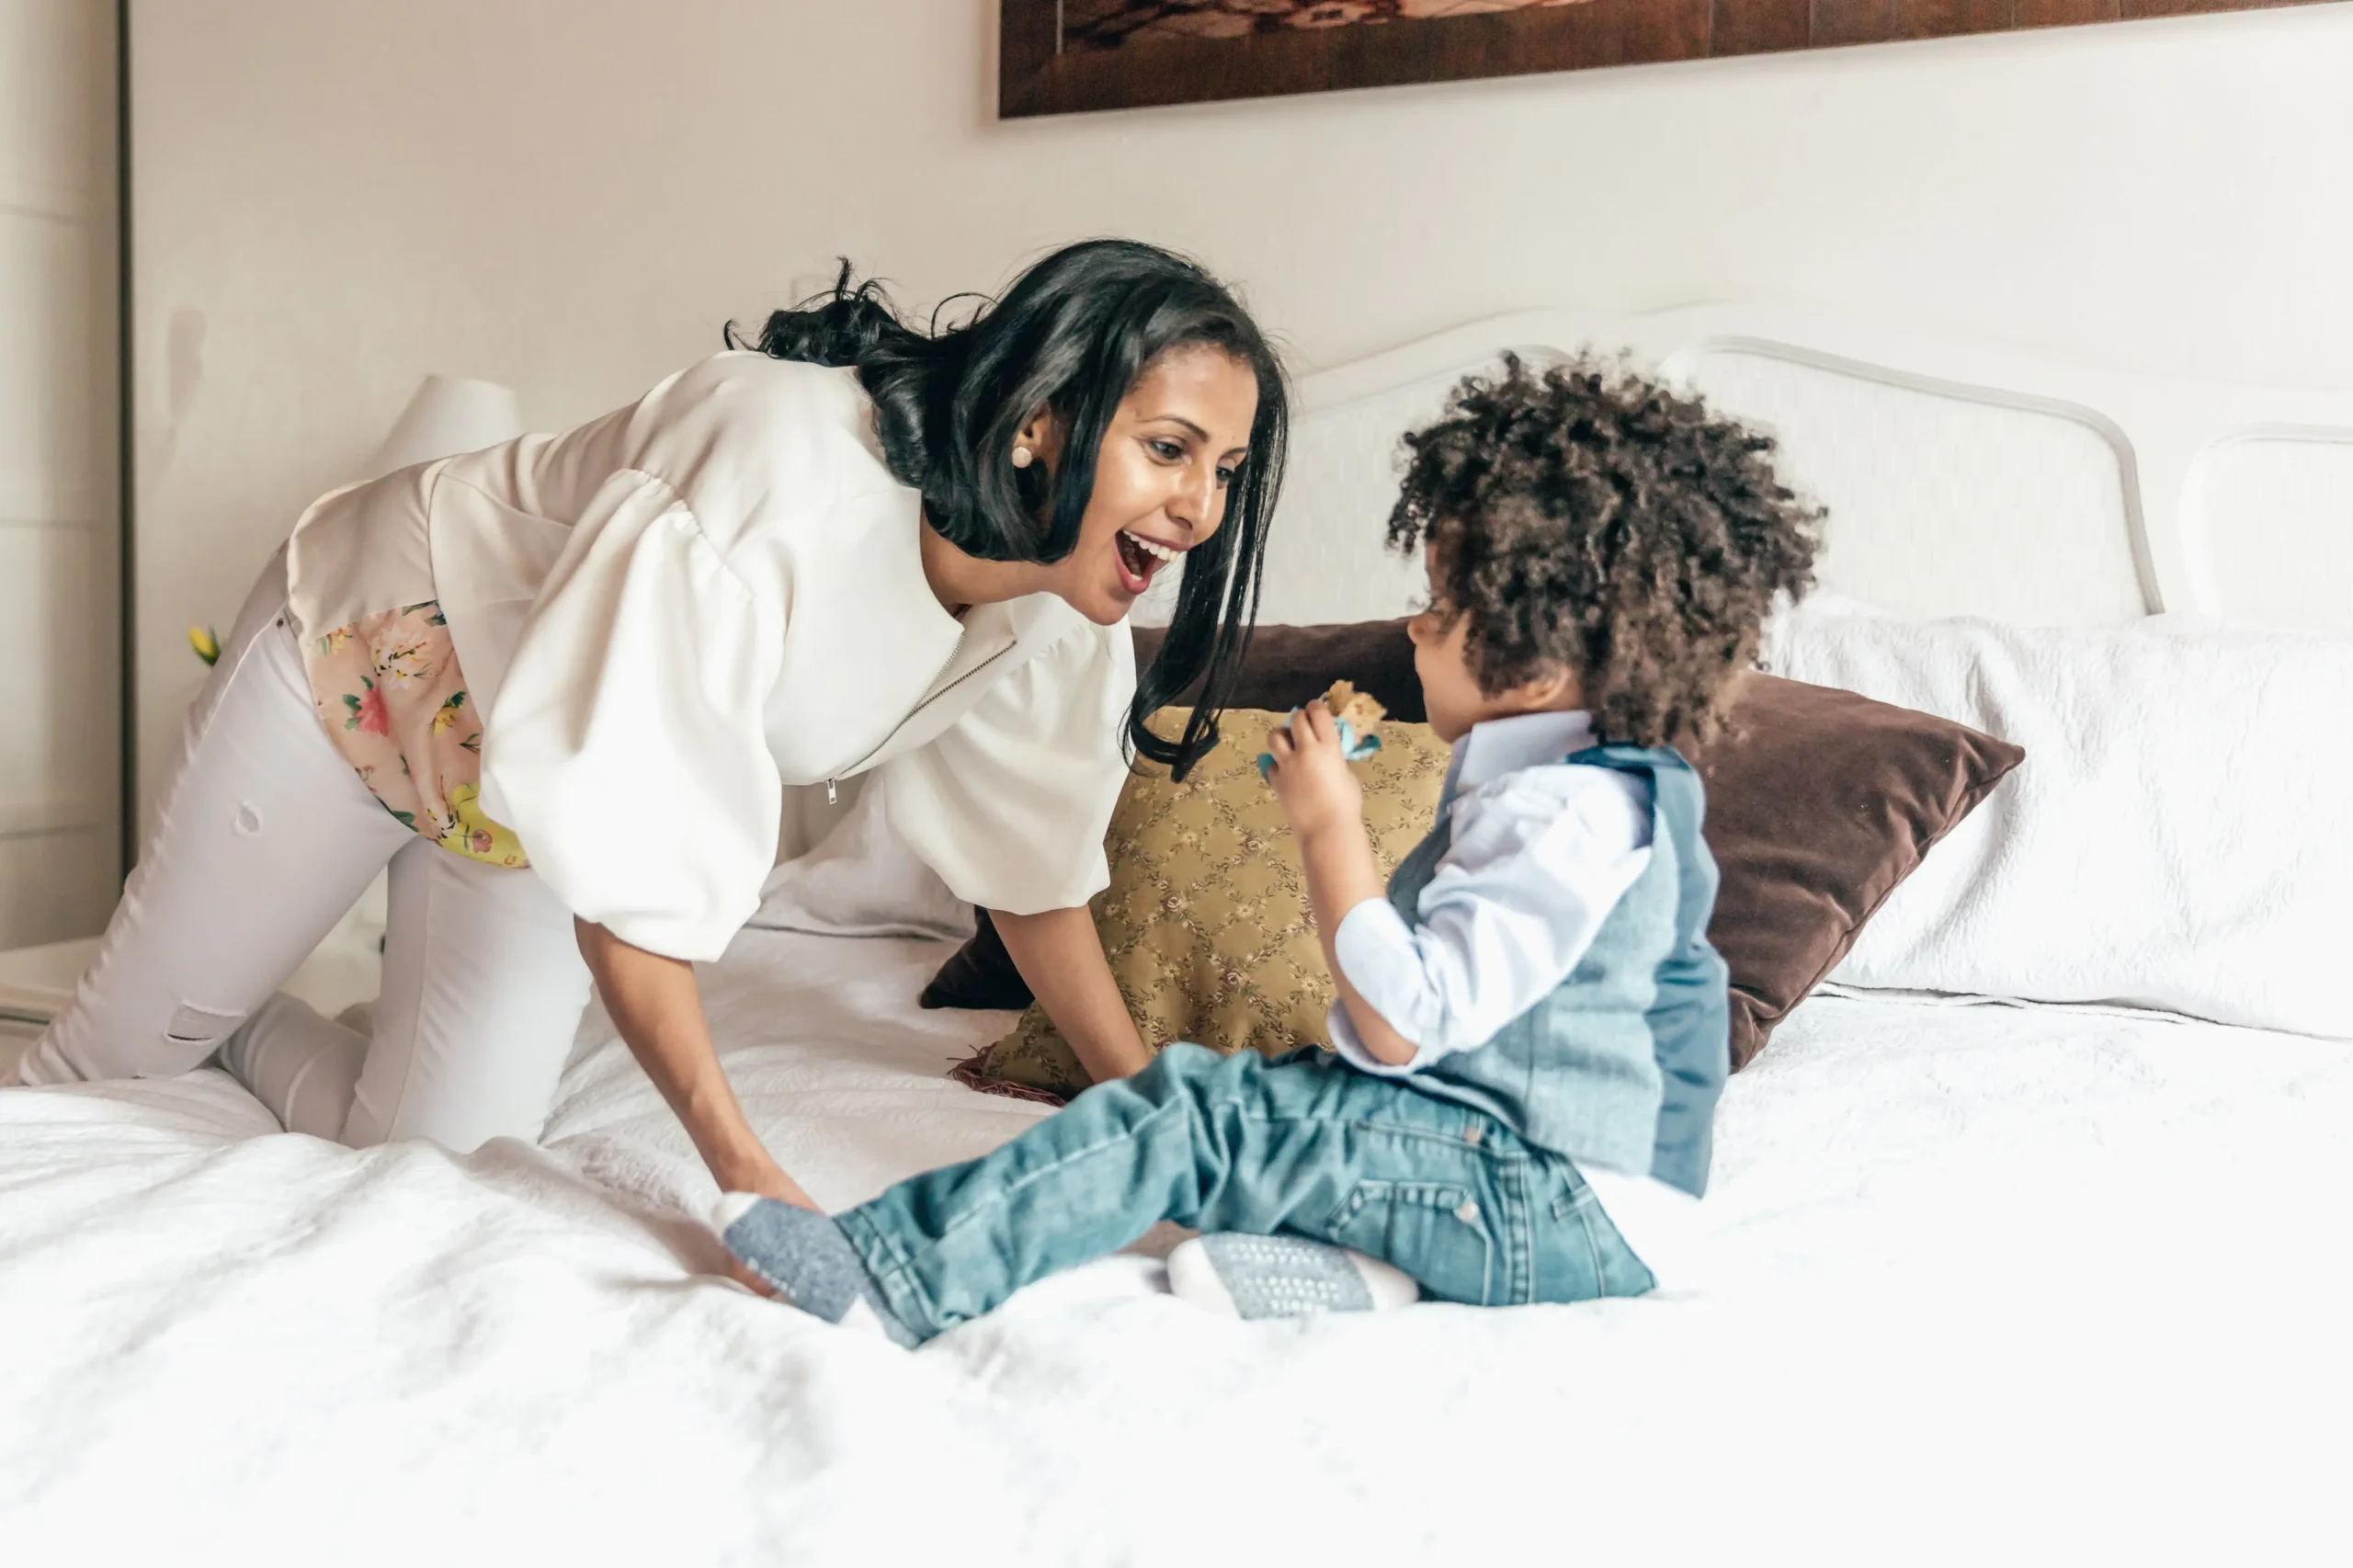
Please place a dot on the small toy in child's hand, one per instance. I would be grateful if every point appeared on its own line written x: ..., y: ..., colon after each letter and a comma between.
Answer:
x: 1355, y: 708
x: 1356, y: 714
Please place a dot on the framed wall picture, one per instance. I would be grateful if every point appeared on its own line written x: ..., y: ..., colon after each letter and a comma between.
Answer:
x: 1064, y: 56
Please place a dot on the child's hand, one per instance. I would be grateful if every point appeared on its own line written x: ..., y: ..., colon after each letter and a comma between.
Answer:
x: 1310, y: 777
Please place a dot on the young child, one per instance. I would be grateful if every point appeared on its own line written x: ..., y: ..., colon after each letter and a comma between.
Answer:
x: 1532, y: 1029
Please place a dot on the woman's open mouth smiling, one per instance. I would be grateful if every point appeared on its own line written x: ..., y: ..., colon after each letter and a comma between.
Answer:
x: 1140, y: 558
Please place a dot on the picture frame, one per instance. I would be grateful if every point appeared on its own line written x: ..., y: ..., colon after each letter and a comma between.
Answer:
x: 1076, y: 56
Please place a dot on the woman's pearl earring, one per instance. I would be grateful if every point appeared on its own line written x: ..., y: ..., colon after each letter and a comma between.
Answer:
x: 1021, y: 457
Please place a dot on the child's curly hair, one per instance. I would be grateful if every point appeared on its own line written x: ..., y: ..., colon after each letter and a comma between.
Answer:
x: 1590, y: 518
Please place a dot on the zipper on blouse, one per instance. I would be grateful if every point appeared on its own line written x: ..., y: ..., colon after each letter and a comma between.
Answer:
x: 832, y: 790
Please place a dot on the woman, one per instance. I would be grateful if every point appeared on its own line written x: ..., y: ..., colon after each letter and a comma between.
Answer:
x: 561, y: 685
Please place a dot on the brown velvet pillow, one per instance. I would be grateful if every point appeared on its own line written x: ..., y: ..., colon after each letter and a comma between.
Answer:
x: 980, y: 976
x: 1819, y: 803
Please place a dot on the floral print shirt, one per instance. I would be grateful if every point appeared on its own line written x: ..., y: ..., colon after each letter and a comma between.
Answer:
x: 393, y: 701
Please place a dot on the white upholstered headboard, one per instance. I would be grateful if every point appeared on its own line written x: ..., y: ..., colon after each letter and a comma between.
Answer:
x: 1959, y: 478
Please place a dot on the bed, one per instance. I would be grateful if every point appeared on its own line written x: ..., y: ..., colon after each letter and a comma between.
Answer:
x: 1985, y: 1278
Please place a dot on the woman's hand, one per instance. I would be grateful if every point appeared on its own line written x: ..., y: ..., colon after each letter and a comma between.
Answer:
x: 1311, y: 777
x: 1062, y: 957
x: 657, y: 1007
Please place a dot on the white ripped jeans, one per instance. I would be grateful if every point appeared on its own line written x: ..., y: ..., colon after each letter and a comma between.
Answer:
x: 264, y: 837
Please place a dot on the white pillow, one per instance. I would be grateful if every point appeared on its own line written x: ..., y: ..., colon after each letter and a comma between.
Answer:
x: 2178, y: 837
x: 861, y: 879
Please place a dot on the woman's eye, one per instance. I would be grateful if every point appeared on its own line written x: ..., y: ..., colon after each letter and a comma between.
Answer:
x: 1167, y: 451
x: 1225, y: 477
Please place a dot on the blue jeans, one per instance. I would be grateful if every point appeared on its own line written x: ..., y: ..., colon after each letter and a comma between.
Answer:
x: 1303, y: 1145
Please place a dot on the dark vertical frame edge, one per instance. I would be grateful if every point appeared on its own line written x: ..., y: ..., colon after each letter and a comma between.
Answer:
x: 126, y: 466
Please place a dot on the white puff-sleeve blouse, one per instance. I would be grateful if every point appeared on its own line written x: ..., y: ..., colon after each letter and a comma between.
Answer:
x: 667, y: 615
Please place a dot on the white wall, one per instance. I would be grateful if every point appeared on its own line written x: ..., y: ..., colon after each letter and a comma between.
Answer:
x: 570, y: 195
x: 58, y: 676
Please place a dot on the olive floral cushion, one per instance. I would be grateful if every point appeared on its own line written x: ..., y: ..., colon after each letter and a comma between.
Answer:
x: 1206, y: 923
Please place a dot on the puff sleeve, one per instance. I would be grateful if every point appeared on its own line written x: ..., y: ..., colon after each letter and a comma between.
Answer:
x: 626, y: 748
x: 1010, y: 804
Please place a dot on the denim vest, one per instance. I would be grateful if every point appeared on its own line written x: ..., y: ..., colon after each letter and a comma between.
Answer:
x: 1621, y: 1064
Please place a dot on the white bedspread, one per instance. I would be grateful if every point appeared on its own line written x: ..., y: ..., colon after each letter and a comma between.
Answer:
x: 1987, y: 1283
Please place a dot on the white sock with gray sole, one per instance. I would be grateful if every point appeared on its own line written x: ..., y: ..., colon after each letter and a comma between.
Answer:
x: 1275, y: 1276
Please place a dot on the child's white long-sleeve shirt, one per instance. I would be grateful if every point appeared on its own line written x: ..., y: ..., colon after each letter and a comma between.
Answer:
x: 1540, y: 853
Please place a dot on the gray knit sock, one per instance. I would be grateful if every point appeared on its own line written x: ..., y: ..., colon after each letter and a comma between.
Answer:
x: 808, y: 1260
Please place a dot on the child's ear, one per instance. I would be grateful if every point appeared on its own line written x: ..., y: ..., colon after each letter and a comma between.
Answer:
x: 1556, y: 688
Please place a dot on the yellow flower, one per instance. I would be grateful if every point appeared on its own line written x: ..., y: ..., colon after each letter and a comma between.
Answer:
x: 207, y: 644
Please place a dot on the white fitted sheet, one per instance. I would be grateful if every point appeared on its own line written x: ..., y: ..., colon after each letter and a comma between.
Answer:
x: 1981, y: 1279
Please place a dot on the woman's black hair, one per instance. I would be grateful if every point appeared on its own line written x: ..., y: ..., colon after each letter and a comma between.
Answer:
x: 1071, y: 334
